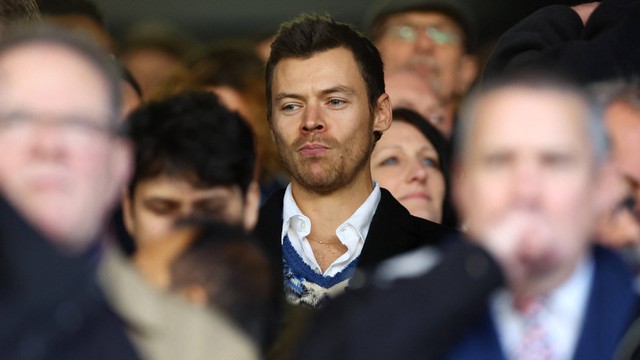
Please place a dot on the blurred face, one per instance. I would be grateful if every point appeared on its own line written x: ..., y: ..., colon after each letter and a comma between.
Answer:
x: 158, y: 203
x: 528, y: 178
x: 405, y: 163
x: 410, y: 91
x: 321, y: 120
x: 431, y: 44
x: 622, y: 226
x: 59, y: 163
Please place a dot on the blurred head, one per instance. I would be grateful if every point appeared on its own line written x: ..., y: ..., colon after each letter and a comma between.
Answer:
x: 408, y: 90
x: 530, y: 174
x: 62, y: 161
x: 411, y: 160
x: 433, y: 38
x: 223, y: 268
x: 235, y: 74
x: 327, y: 105
x: 193, y: 159
x: 622, y: 118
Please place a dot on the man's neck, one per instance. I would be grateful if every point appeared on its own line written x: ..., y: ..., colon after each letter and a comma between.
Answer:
x: 546, y: 282
x: 328, y: 211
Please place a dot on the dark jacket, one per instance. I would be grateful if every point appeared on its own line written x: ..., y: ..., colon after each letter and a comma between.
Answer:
x: 50, y: 305
x: 611, y: 307
x: 554, y: 38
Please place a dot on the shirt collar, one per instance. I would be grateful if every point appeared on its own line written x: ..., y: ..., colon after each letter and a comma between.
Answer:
x: 360, y: 220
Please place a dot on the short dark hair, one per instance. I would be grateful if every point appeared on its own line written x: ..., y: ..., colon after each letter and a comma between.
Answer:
x: 18, y: 11
x: 193, y: 137
x: 307, y: 35
x: 234, y: 272
x: 76, y: 43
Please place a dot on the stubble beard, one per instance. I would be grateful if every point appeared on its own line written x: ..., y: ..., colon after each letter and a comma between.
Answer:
x: 327, y: 174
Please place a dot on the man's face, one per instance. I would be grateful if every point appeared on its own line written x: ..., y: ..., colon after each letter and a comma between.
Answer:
x: 623, y: 124
x: 441, y: 60
x: 158, y: 203
x: 622, y: 227
x: 409, y: 91
x: 59, y: 162
x: 321, y: 120
x: 528, y: 177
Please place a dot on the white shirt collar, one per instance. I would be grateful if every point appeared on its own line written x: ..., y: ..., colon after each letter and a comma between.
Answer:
x: 562, y: 317
x: 351, y: 233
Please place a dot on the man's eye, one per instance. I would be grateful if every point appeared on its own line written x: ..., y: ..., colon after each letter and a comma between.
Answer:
x: 336, y: 102
x: 289, y: 107
x: 161, y: 208
x: 15, y: 118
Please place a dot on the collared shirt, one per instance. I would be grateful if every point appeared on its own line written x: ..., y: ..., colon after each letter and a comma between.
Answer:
x: 562, y: 315
x: 351, y: 233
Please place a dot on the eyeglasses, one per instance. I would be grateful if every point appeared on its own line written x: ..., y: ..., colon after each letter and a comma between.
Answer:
x: 410, y: 33
x: 74, y: 128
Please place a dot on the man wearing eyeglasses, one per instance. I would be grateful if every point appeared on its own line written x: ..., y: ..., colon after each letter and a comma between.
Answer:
x: 62, y: 162
x: 431, y: 37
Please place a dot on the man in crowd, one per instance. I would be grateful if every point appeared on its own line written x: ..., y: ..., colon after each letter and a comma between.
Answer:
x: 327, y: 106
x: 528, y: 183
x: 434, y: 38
x: 621, y: 227
x: 193, y: 159
x: 532, y: 175
x: 62, y: 164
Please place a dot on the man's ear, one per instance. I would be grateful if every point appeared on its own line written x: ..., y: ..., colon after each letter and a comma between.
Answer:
x: 127, y: 212
x: 467, y: 73
x: 121, y: 169
x: 382, y: 116
x: 251, y: 206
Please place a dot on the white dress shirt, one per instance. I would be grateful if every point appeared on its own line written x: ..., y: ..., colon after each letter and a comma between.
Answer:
x: 351, y: 233
x: 562, y: 316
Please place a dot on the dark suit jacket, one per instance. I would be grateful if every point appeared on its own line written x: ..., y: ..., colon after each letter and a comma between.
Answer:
x: 611, y: 307
x: 393, y: 231
x: 50, y: 306
x: 359, y: 324
x: 555, y: 38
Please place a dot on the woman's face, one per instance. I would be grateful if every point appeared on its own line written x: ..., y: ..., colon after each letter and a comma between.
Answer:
x: 406, y: 163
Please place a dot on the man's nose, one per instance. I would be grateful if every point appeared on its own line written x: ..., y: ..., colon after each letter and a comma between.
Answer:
x: 313, y: 120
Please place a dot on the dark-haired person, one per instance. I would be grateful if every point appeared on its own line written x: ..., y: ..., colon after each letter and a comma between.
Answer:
x: 327, y: 107
x: 411, y: 160
x: 223, y: 268
x: 193, y: 159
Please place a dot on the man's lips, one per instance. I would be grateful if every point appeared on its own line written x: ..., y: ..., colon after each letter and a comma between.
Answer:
x: 312, y: 149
